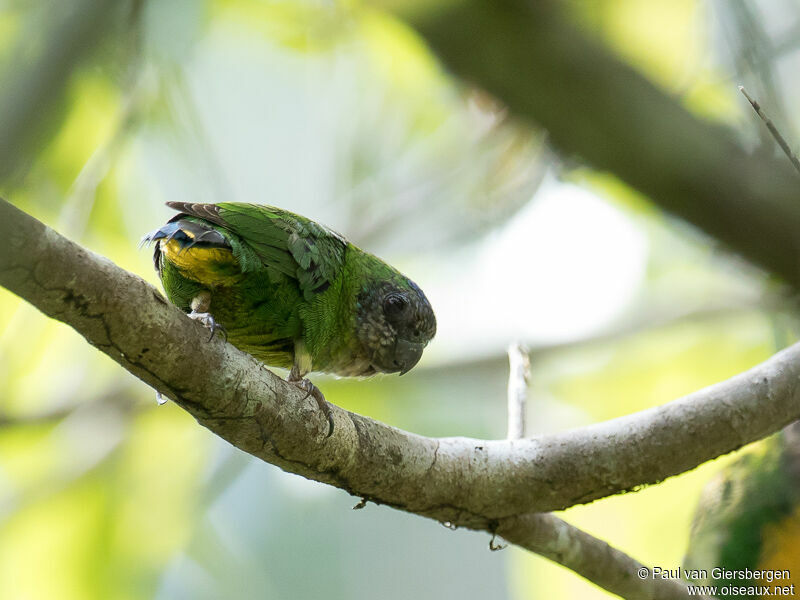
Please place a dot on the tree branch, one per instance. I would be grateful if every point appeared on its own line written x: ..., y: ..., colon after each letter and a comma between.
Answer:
x: 611, y: 569
x: 461, y: 480
x: 554, y: 538
x: 485, y: 485
x: 594, y: 105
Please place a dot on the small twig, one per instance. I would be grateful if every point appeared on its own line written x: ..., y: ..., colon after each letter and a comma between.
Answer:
x: 519, y: 373
x: 772, y: 129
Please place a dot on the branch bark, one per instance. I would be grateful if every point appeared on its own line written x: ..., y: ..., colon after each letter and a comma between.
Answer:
x: 485, y: 485
x: 592, y: 104
x: 592, y: 558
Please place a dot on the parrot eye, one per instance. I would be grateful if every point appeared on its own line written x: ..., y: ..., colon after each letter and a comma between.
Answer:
x: 394, y: 306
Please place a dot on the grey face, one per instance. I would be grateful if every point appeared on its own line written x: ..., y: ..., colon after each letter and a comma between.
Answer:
x: 395, y: 325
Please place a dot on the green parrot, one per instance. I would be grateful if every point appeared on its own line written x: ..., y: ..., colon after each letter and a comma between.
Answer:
x: 290, y: 291
x: 748, y: 518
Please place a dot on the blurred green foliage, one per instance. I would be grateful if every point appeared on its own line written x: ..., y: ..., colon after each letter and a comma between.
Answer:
x: 337, y: 111
x: 747, y: 517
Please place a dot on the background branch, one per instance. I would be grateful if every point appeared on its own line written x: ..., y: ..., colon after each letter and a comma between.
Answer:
x: 593, y: 104
x: 592, y: 558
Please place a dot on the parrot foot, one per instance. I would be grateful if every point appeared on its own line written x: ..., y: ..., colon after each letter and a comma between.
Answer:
x: 208, y: 321
x: 311, y: 390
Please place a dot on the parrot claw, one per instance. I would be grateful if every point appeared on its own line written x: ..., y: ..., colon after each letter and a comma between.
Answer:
x: 311, y: 390
x: 208, y: 321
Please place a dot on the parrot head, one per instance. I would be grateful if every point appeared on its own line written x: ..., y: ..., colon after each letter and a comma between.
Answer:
x: 395, y: 322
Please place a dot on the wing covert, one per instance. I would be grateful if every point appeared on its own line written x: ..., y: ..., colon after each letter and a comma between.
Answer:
x: 283, y: 241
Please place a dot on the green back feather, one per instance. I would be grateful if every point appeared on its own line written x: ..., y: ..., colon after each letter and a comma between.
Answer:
x: 277, y: 240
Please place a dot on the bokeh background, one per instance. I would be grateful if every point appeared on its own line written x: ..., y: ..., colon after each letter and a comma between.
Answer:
x: 338, y: 111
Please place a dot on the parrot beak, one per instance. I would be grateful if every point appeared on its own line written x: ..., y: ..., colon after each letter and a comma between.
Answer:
x: 407, y: 354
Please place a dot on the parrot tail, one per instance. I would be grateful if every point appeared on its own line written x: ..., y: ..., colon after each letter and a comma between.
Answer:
x: 177, y: 237
x: 188, y: 234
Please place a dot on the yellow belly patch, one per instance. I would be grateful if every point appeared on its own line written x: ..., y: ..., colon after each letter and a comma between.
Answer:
x: 211, y: 266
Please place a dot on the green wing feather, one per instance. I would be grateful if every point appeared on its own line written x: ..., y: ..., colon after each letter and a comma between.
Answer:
x: 278, y: 240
